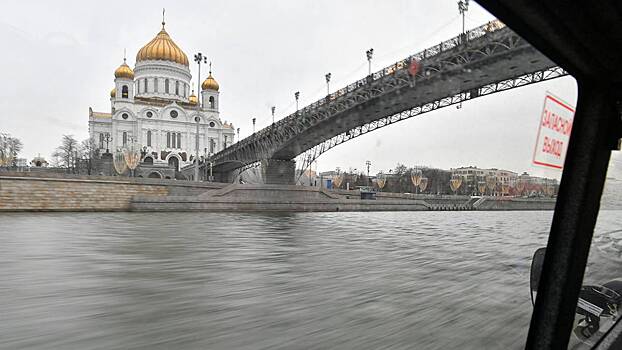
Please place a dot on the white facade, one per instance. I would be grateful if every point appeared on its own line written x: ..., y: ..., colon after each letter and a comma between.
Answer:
x: 154, y: 107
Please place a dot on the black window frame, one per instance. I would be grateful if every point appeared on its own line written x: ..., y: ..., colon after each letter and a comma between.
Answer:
x: 569, y: 34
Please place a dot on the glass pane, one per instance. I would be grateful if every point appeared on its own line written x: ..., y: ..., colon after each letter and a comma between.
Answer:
x: 601, y: 295
x: 393, y: 167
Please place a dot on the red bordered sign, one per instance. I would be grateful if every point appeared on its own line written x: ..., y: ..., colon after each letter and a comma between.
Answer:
x: 553, y: 133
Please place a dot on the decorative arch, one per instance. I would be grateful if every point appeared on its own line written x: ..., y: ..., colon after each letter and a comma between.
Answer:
x: 182, y: 114
x: 217, y: 122
x: 143, y: 112
x: 125, y: 91
x: 194, y: 114
x: 155, y: 175
x: 148, y: 160
x: 119, y: 112
x: 174, y: 160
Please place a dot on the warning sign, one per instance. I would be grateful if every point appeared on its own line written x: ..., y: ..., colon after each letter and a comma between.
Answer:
x: 553, y: 133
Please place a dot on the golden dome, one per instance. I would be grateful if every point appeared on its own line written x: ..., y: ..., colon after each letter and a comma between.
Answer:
x: 113, y: 92
x: 163, y: 48
x: 210, y: 83
x: 193, y: 99
x: 124, y: 71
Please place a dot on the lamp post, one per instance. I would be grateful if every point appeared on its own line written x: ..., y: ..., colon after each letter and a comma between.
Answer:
x: 197, y: 119
x: 310, y: 161
x: 273, y: 109
x: 254, y: 120
x: 328, y: 76
x: 369, y: 54
x: 238, y: 134
x: 463, y: 7
x: 368, y: 163
x: 108, y: 139
x: 297, y: 96
x: 198, y: 58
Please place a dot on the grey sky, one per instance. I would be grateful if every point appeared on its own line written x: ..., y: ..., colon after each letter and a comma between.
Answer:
x: 59, y: 58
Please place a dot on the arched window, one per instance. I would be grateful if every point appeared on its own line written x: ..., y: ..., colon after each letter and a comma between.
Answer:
x: 174, y: 162
x: 124, y: 138
x: 173, y: 138
x: 177, y: 87
x: 184, y: 89
x: 178, y: 140
x: 101, y: 140
x: 124, y: 91
x: 225, y: 143
x: 212, y: 102
x: 168, y: 140
x: 212, y: 145
x: 145, y: 86
x: 155, y: 84
x: 137, y: 87
x: 149, y: 138
x: 166, y: 86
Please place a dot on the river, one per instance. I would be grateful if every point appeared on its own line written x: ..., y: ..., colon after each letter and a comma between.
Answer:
x: 393, y: 280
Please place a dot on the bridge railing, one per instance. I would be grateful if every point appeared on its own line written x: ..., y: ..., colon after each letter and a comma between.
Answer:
x: 430, y: 52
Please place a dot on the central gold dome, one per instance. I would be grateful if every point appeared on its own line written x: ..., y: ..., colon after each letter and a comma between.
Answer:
x: 162, y: 47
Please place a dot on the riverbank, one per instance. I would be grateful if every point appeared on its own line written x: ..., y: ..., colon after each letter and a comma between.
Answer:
x: 46, y: 192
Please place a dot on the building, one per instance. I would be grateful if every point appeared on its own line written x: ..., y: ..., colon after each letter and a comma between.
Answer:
x: 472, y: 175
x: 534, y: 186
x: 39, y: 162
x: 153, y: 106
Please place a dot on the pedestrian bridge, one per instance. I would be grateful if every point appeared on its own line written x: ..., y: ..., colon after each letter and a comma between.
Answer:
x: 485, y: 60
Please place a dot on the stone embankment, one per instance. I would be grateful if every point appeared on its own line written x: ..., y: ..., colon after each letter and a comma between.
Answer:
x: 61, y: 192
x: 58, y: 192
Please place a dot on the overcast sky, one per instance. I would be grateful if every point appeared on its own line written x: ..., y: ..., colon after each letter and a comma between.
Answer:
x: 59, y: 57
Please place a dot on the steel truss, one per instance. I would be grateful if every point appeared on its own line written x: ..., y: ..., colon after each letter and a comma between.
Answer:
x: 309, y: 156
x: 488, y: 42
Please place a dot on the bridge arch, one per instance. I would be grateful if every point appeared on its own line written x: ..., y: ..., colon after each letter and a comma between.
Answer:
x: 455, y: 71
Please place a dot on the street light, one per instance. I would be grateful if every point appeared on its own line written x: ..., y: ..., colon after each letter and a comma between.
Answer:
x: 297, y: 96
x: 273, y: 109
x: 197, y: 119
x: 368, y: 163
x: 108, y: 139
x: 463, y: 7
x: 327, y: 76
x: 254, y: 120
x: 369, y: 54
x: 238, y: 134
x: 198, y: 58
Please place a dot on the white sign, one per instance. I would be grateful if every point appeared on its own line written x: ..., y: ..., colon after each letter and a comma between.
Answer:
x: 553, y: 133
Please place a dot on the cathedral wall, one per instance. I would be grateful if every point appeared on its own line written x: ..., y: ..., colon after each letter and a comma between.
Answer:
x: 62, y: 192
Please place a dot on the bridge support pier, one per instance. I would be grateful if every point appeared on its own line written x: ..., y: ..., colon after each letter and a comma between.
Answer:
x: 278, y: 171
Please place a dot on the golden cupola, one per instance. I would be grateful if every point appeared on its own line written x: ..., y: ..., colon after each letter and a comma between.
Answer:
x: 210, y: 83
x: 163, y: 48
x: 124, y: 71
x: 193, y: 98
x: 113, y: 93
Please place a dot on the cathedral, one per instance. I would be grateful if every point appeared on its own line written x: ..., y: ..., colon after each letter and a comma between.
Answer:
x: 154, y: 107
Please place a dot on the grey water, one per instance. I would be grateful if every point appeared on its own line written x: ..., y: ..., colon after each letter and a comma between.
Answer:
x: 386, y: 280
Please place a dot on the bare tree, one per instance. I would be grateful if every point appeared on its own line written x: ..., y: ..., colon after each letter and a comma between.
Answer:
x: 67, y: 153
x: 87, y: 150
x: 9, y: 149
